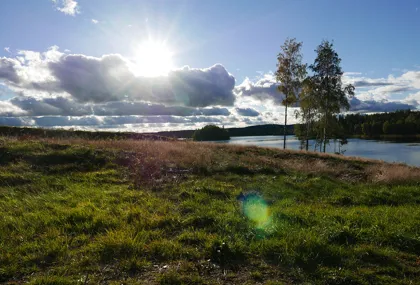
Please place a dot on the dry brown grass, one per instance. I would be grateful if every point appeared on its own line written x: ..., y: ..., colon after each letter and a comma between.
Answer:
x: 151, y: 161
x: 392, y: 173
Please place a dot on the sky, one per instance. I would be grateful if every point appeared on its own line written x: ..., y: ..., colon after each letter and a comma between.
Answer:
x: 150, y: 65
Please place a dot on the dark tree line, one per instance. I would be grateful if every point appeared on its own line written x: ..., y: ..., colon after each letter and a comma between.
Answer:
x: 211, y: 133
x: 403, y: 122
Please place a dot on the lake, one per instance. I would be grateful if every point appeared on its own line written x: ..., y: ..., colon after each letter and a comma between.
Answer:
x: 405, y: 152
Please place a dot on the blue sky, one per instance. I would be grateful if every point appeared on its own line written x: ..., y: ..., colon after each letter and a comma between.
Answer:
x: 378, y: 42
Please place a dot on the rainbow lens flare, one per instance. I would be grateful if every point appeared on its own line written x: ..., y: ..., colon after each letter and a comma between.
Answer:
x: 256, y: 209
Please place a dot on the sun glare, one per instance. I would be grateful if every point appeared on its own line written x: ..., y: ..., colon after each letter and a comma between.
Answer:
x: 153, y: 59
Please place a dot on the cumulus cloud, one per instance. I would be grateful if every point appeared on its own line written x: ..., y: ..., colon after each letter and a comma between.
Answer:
x: 370, y: 83
x: 372, y: 94
x: 413, y: 98
x: 8, y: 109
x: 8, y: 70
x: 203, y: 87
x: 50, y: 106
x: 68, y: 7
x: 118, y: 122
x: 379, y: 89
x: 248, y: 112
x: 16, y: 121
x: 110, y: 78
x: 55, y: 89
x: 265, y: 88
x: 90, y: 79
x: 369, y: 106
x: 30, y: 106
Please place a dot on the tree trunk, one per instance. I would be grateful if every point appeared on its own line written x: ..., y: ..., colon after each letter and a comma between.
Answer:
x: 326, y: 113
x: 325, y: 132
x: 284, y: 132
x: 308, y: 126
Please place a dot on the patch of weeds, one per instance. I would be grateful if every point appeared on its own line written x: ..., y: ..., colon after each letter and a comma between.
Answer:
x: 238, y: 169
x: 292, y: 219
x: 194, y: 238
x: 257, y: 276
x: 52, y: 280
x: 134, y: 265
x: 405, y: 243
x: 164, y: 250
x: 272, y: 282
x: 343, y: 201
x: 200, y: 221
x: 12, y: 180
x: 174, y: 278
x: 116, y: 245
x: 227, y: 255
x: 343, y: 237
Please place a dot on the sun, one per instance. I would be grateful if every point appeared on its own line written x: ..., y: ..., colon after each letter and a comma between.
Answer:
x: 152, y: 59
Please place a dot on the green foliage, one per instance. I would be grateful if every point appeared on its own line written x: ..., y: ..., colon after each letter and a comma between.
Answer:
x: 330, y: 96
x: 31, y: 133
x: 322, y: 96
x: 385, y: 127
x: 290, y: 74
x: 211, y: 133
x: 398, y: 123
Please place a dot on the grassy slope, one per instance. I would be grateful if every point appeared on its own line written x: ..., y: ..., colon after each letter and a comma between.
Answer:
x: 167, y: 213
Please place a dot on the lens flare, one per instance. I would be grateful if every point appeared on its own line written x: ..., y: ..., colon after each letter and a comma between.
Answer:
x: 256, y: 209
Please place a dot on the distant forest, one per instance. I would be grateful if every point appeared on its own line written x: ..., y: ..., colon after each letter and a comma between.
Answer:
x: 260, y: 130
x: 403, y: 122
x: 398, y: 124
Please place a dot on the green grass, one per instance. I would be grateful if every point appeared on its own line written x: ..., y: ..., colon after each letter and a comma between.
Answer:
x: 74, y: 213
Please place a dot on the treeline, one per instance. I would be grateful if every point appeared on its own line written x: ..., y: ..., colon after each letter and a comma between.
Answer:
x: 403, y: 122
x: 211, y: 133
x: 260, y: 130
x: 28, y: 133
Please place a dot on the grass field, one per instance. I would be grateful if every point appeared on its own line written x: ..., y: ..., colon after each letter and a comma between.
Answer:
x: 155, y: 212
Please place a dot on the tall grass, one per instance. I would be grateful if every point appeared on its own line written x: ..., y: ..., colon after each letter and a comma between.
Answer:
x: 155, y: 158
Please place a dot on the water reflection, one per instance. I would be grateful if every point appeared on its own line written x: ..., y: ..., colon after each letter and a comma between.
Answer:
x: 405, y: 152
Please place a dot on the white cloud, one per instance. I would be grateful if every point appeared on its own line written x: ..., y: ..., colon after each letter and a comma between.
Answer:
x: 58, y: 89
x: 8, y: 109
x: 352, y: 73
x: 95, y: 21
x: 55, y: 89
x: 7, y: 49
x: 264, y: 88
x: 372, y: 94
x: 415, y: 97
x: 390, y: 89
x: 68, y: 7
x: 109, y: 78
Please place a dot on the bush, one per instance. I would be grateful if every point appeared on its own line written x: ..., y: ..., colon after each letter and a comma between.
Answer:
x: 211, y: 133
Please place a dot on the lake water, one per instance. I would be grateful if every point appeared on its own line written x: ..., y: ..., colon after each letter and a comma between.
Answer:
x: 406, y: 152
